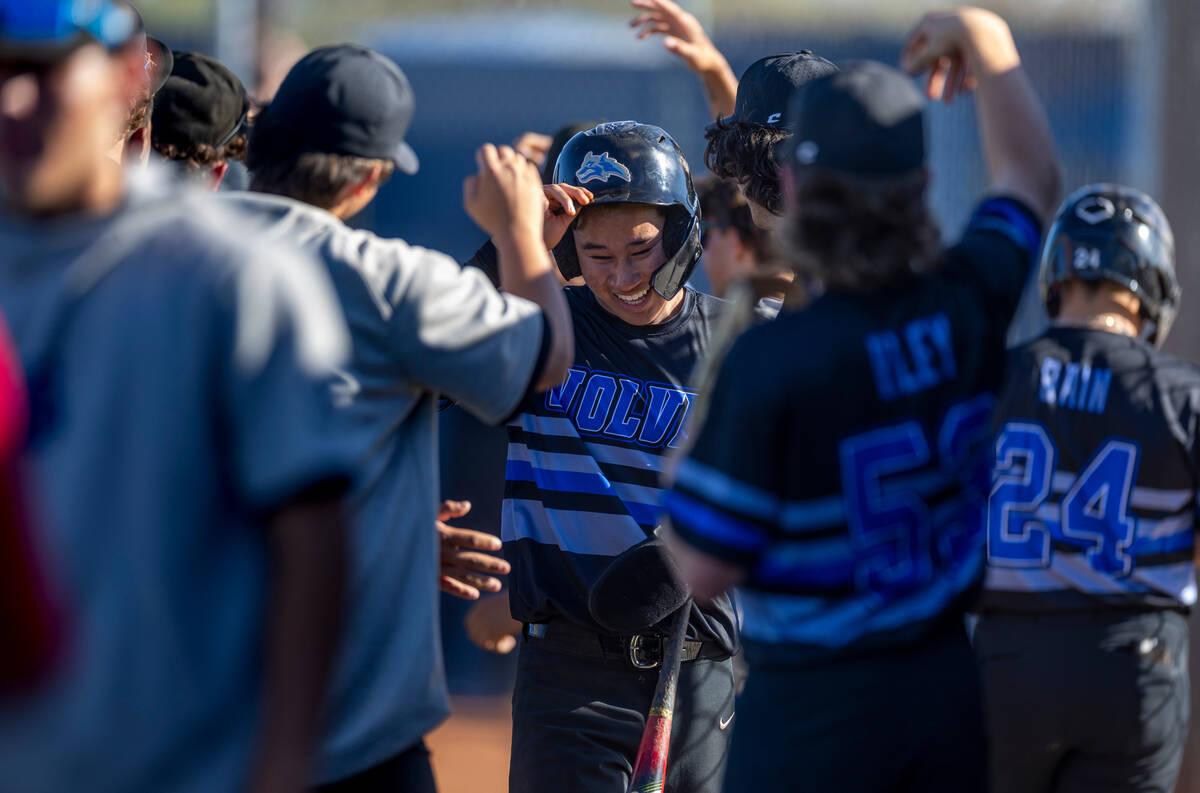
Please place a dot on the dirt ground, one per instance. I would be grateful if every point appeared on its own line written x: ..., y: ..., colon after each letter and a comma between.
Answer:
x: 470, y: 750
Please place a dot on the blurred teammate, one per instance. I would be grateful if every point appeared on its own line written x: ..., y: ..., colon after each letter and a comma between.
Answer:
x: 843, y: 492
x: 421, y: 327
x: 199, y: 118
x: 183, y: 470
x: 735, y: 249
x: 582, y: 480
x: 742, y: 146
x: 132, y: 145
x: 1091, y: 517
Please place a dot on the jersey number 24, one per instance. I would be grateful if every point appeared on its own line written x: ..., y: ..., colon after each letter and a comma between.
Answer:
x: 1023, y: 522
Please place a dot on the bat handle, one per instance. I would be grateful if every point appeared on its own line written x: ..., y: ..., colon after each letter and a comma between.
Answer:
x: 650, y: 768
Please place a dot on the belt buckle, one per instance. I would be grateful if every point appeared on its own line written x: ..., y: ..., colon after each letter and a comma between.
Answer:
x: 637, y: 652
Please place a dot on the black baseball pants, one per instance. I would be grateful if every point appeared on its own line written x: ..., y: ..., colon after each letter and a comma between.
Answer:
x: 577, y: 723
x: 900, y: 720
x: 1094, y: 702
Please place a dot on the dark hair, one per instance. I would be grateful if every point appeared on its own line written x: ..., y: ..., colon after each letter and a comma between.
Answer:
x: 745, y: 153
x: 722, y: 204
x: 200, y: 155
x: 278, y: 165
x: 860, y: 236
x: 315, y: 178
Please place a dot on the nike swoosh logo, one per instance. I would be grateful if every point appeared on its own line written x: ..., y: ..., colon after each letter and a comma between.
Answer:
x: 725, y: 722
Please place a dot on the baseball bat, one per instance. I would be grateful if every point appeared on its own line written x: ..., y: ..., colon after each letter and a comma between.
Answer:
x: 650, y: 765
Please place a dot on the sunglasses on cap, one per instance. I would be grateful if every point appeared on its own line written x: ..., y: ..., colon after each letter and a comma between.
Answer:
x: 40, y: 31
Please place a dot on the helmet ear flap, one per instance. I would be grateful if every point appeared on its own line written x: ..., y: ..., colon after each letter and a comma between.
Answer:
x: 566, y: 257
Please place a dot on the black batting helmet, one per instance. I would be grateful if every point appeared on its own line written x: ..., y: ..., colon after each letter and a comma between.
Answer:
x: 1115, y: 233
x: 624, y: 162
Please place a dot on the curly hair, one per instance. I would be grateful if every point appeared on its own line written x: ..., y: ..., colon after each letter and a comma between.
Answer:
x: 199, y: 156
x: 853, y: 235
x: 745, y: 153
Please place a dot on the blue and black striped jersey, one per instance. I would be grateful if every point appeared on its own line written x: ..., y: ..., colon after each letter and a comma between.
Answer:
x: 584, y: 459
x: 843, y: 461
x: 1093, y: 497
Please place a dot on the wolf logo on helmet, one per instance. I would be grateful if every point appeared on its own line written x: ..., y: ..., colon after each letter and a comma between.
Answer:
x: 600, y: 166
x: 1115, y: 233
x: 650, y: 169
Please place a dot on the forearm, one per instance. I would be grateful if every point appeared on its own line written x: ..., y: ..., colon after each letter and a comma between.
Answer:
x: 526, y: 270
x: 1014, y: 131
x: 303, y: 619
x: 720, y: 87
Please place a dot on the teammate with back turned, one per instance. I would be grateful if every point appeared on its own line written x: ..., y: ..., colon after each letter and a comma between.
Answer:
x: 1091, y: 517
x: 845, y: 491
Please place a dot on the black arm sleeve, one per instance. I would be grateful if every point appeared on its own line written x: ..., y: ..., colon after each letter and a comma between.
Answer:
x: 487, y: 259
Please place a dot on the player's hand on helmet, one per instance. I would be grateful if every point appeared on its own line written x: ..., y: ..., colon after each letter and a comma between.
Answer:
x: 533, y: 146
x: 957, y: 48
x: 465, y: 569
x: 490, y: 625
x: 505, y: 196
x: 564, y: 202
x: 682, y: 33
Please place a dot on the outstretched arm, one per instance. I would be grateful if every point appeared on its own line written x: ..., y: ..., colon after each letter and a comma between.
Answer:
x: 684, y: 36
x: 972, y: 49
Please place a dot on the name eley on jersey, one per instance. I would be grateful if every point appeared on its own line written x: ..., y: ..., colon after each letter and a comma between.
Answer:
x: 623, y: 408
x: 916, y: 358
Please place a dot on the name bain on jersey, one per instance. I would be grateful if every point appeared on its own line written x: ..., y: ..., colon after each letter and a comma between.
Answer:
x: 917, y: 357
x: 620, y: 407
x: 1073, y: 385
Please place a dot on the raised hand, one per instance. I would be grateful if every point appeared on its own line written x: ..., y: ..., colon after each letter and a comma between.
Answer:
x: 505, y: 196
x: 684, y: 36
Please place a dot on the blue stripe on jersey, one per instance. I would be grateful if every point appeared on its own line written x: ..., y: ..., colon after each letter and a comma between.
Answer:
x: 808, y: 565
x: 726, y: 492
x: 1074, y: 573
x: 1002, y: 215
x: 713, y: 524
x: 587, y: 533
x: 836, y: 622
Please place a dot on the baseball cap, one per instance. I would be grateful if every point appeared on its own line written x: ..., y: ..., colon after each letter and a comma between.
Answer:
x: 768, y: 84
x: 45, y: 31
x: 867, y: 119
x: 201, y: 102
x: 345, y: 99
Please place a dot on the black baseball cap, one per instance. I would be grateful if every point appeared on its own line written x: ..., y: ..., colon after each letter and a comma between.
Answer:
x: 768, y: 84
x: 866, y: 120
x: 345, y: 99
x: 201, y: 102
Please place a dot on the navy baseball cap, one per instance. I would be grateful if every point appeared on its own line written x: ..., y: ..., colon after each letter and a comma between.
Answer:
x: 768, y: 84
x: 348, y: 100
x: 866, y: 120
x: 45, y: 31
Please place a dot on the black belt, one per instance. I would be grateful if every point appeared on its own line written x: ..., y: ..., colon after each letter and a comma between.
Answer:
x: 641, y: 650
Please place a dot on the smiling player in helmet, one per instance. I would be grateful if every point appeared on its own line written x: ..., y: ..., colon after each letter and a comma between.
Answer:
x: 1091, y: 516
x: 582, y: 480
